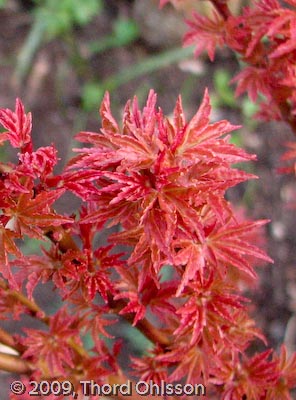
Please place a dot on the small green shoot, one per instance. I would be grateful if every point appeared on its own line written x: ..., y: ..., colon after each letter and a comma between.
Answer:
x: 125, y: 31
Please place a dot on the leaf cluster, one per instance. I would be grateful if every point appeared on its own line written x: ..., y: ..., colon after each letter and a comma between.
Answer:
x: 163, y: 182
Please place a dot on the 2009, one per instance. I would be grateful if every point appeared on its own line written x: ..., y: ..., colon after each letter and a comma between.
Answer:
x: 46, y: 388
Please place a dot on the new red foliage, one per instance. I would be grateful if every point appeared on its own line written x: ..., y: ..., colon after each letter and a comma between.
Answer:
x: 164, y: 182
x: 263, y: 38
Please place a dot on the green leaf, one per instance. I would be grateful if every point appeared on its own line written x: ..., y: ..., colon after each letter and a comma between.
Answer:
x: 61, y: 16
x: 84, y: 11
x: 92, y: 94
x: 249, y: 107
x: 125, y: 31
x: 224, y: 91
x: 3, y: 3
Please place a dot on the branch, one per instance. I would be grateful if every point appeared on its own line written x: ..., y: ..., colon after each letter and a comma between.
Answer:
x: 287, y: 114
x: 8, y: 340
x: 12, y: 363
x: 34, y: 309
x: 155, y: 335
x: 152, y: 333
x: 222, y: 8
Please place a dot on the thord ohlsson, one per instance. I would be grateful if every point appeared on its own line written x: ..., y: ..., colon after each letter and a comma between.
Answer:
x: 142, y: 388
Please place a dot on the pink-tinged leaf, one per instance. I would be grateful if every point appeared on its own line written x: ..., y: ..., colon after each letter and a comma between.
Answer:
x: 286, y: 48
x: 18, y: 124
x: 243, y: 228
x: 97, y: 325
x: 127, y: 188
x: 279, y: 23
x: 189, y: 216
x: 286, y: 366
x: 229, y: 247
x: 140, y: 125
x: 179, y: 118
x: 40, y: 203
x: 208, y: 306
x: 29, y: 214
x: 148, y: 117
x: 118, y: 213
x: 49, y: 219
x: 220, y: 207
x: 96, y: 138
x: 109, y: 124
x: 269, y: 5
x: 134, y: 306
x: 192, y: 256
x: 205, y: 34
x: 39, y: 163
x: 150, y: 366
x: 254, y: 376
x: 98, y: 282
x: 200, y: 140
x: 253, y: 80
x: 192, y: 367
x: 14, y: 185
x: 51, y: 349
x: 34, y: 269
x: 193, y: 129
x: 159, y: 228
x: 81, y: 182
x: 279, y: 26
x: 7, y: 246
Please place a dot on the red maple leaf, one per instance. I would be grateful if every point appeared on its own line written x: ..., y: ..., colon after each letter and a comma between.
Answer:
x: 194, y: 367
x: 19, y: 126
x: 208, y: 308
x: 39, y: 163
x: 8, y: 246
x: 150, y: 367
x: 249, y: 377
x: 29, y: 214
x: 51, y: 349
x: 286, y: 366
x: 227, y: 245
x: 253, y: 80
x: 206, y: 33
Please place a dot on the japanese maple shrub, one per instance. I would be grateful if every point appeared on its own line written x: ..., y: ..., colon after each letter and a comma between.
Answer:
x: 262, y: 36
x: 164, y: 182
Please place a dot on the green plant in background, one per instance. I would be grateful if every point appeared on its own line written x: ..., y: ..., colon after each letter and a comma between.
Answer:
x: 164, y: 180
x: 224, y: 95
x: 53, y: 18
x: 249, y: 109
x: 93, y: 91
x: 124, y: 32
x: 59, y: 16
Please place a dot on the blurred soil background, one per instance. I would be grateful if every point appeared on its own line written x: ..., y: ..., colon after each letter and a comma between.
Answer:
x: 60, y: 56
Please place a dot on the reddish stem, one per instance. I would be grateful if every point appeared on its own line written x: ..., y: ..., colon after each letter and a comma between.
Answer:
x: 12, y: 363
x: 222, y: 8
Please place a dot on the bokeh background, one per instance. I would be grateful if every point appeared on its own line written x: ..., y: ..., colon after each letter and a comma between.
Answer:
x: 59, y: 57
